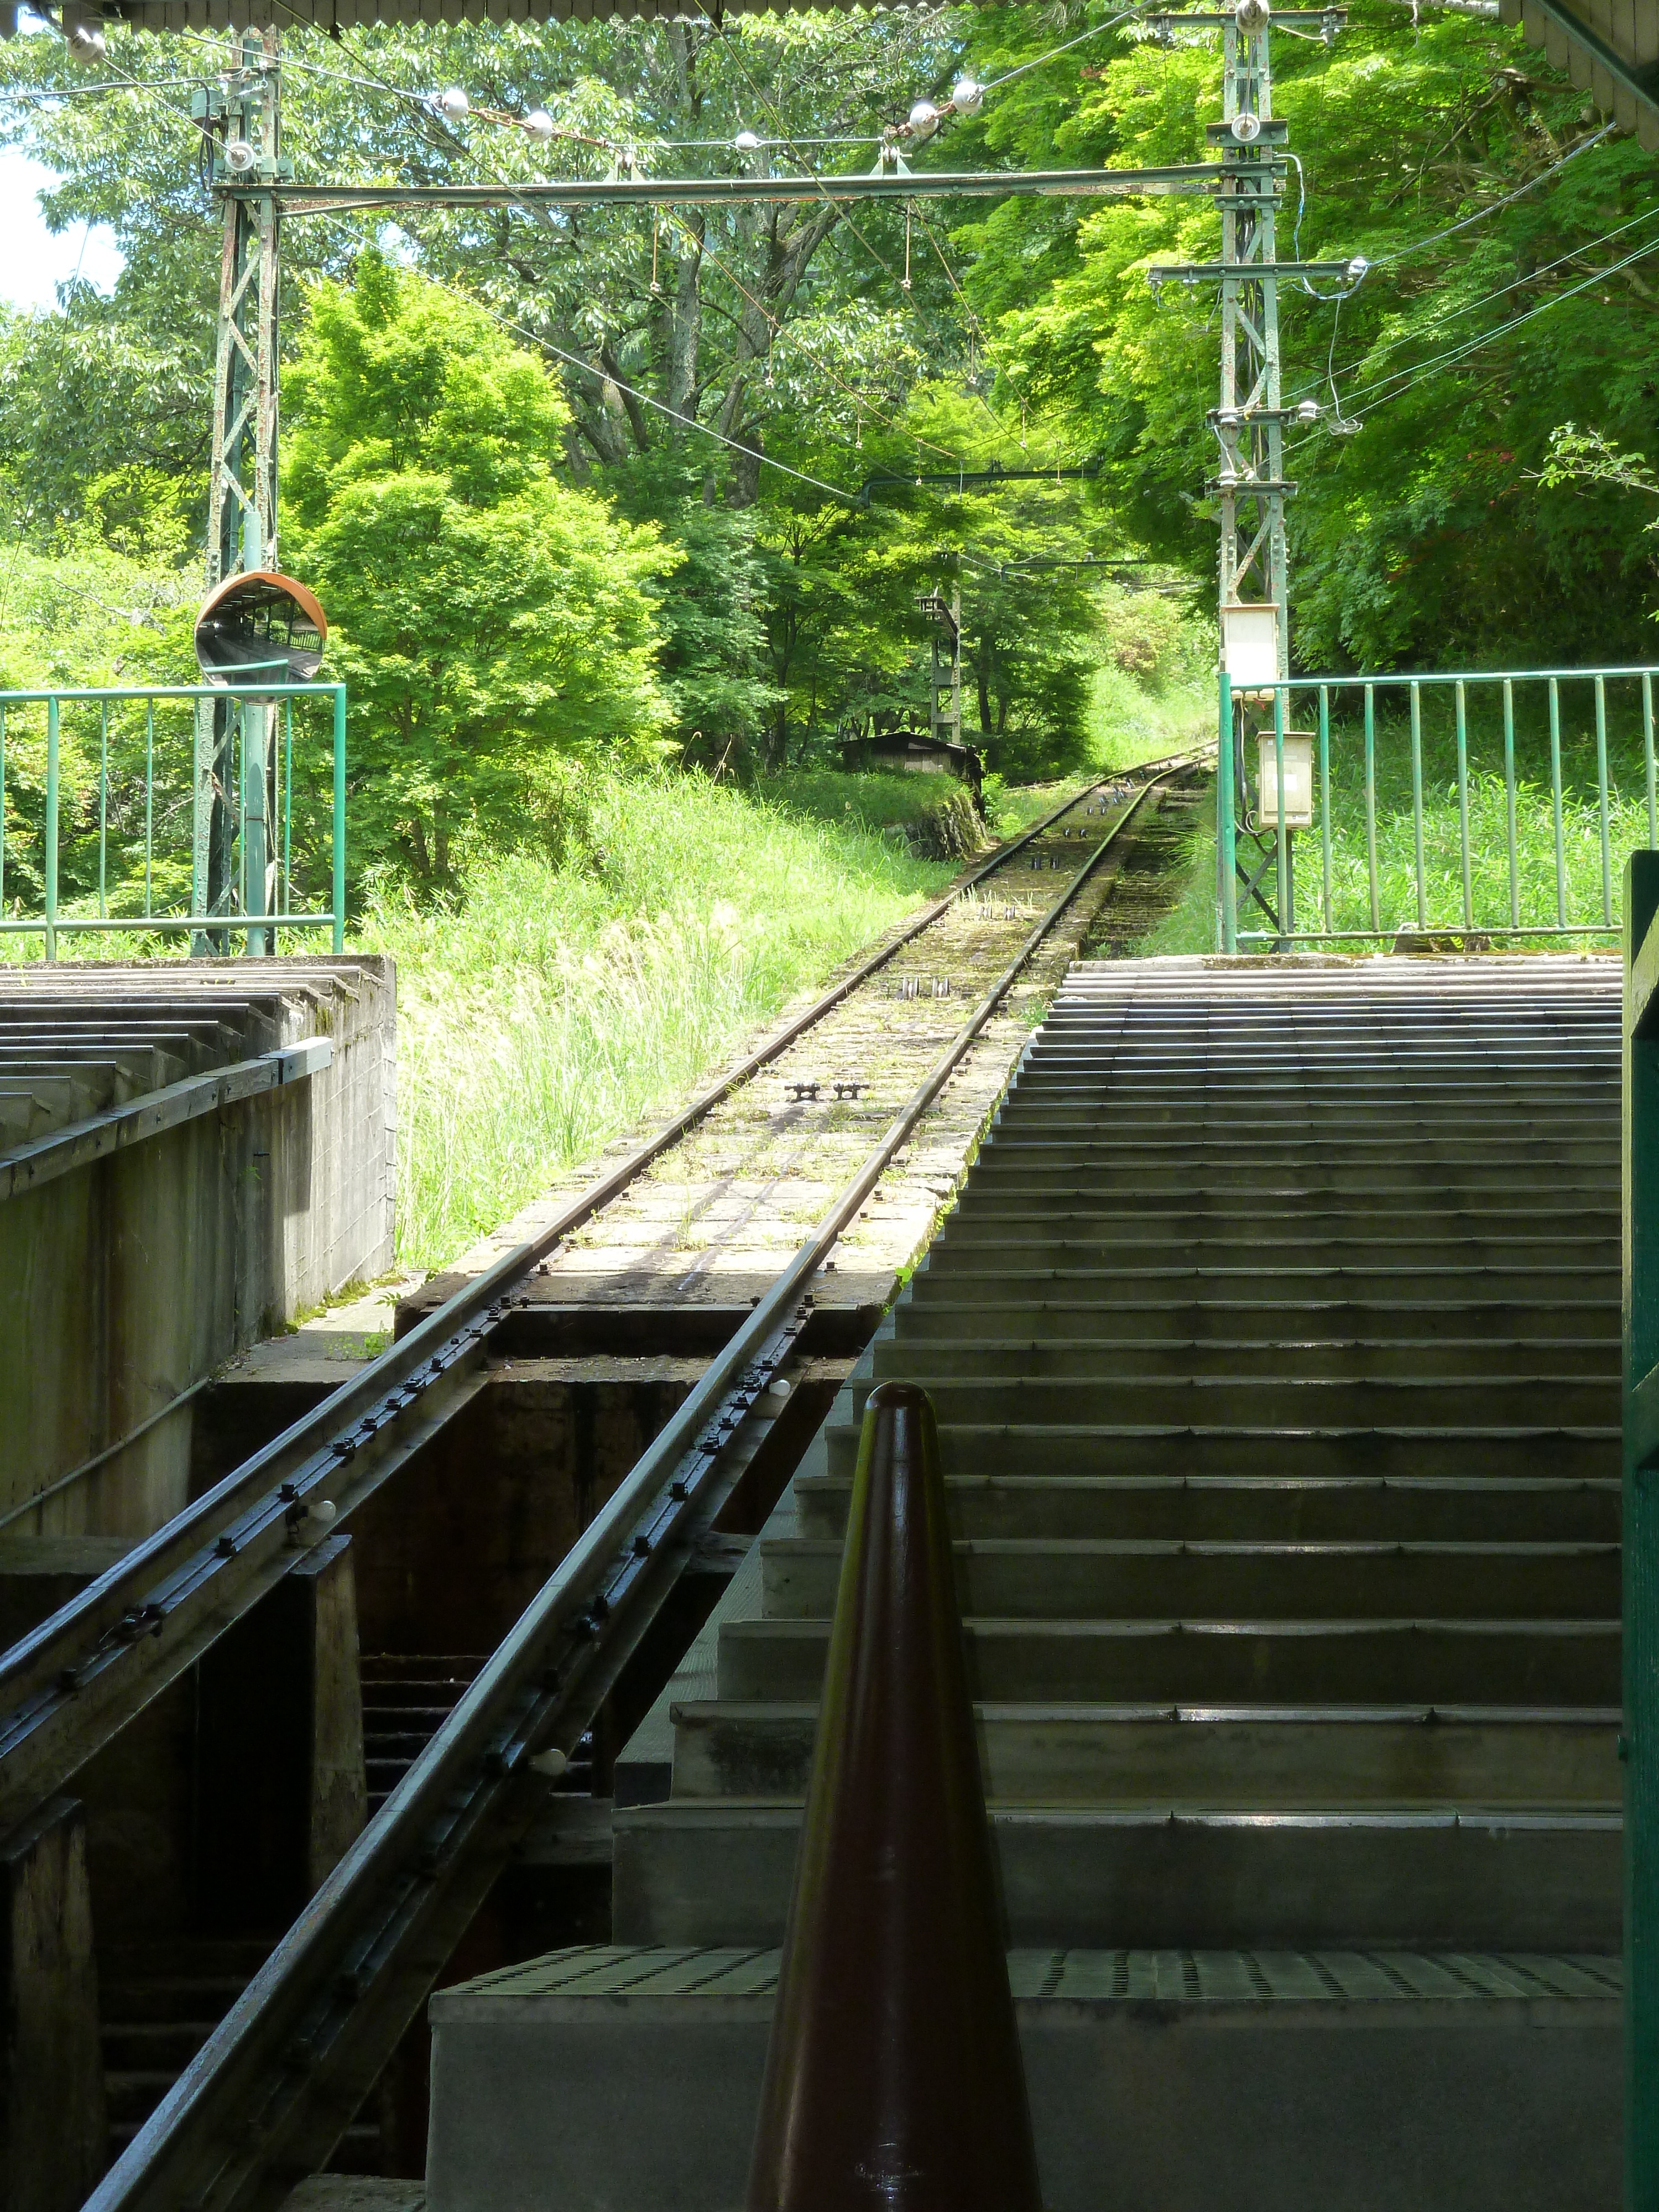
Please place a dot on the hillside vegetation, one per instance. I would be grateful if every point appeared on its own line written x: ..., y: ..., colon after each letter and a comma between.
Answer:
x: 628, y: 524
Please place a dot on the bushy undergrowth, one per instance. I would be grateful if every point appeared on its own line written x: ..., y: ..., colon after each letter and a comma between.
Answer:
x: 553, y: 1005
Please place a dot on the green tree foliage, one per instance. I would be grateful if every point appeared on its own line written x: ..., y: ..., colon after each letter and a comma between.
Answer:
x: 488, y: 618
x: 1426, y: 532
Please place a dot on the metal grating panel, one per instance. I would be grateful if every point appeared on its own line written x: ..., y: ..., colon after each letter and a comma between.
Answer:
x: 1097, y: 1977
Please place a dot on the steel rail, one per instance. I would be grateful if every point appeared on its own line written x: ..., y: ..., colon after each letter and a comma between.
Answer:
x: 82, y: 1674
x: 281, y: 2077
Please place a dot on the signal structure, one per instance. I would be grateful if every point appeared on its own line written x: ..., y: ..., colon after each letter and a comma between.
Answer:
x: 1250, y: 487
x: 240, y: 116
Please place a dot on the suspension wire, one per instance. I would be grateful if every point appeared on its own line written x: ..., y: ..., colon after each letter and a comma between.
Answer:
x: 779, y: 123
x: 903, y: 282
x: 1405, y: 380
x: 774, y: 327
x: 997, y: 83
x: 1468, y: 307
x: 1421, y: 244
x: 861, y: 401
x: 605, y: 376
x: 116, y: 84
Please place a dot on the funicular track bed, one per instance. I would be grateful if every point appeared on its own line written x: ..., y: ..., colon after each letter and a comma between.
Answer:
x: 519, y: 1513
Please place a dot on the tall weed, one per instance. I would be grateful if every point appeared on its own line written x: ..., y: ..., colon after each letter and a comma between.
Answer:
x: 554, y: 1005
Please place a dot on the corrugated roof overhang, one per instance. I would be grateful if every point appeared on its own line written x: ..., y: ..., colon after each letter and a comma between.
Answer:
x: 360, y: 14
x: 1611, y: 47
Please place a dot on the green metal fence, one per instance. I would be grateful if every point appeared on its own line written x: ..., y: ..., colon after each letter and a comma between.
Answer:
x: 1484, y: 805
x: 116, y: 815
x: 1638, y: 1744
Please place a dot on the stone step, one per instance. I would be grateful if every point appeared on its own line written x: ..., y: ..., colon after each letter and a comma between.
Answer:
x: 935, y: 1310
x: 1230, y: 1661
x: 1058, y: 1109
x: 154, y: 2046
x: 1168, y: 1874
x: 1077, y: 1578
x: 1259, y: 1073
x: 1044, y: 1358
x: 1264, y: 1153
x: 1376, y: 2079
x: 1240, y: 1214
x: 1182, y: 1449
x: 1241, y: 1759
x: 1269, y: 1286
x: 1520, y: 1399
x: 1566, y: 1067
x: 1195, y: 1508
x: 1571, y: 1077
x: 1095, y: 1171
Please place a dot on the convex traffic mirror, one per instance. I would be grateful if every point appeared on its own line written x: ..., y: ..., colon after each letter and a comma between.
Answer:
x: 260, y: 622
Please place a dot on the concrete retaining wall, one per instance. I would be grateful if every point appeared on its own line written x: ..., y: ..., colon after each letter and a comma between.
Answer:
x: 126, y: 1280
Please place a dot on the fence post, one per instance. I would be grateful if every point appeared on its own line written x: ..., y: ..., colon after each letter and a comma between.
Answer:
x: 1638, y: 1744
x: 51, y: 829
x: 1225, y: 829
x: 339, y: 838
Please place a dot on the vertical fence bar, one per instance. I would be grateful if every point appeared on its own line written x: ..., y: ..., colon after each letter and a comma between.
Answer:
x: 1638, y: 1745
x: 339, y: 834
x: 1416, y: 689
x: 150, y: 798
x: 2, y: 807
x: 285, y: 889
x: 1227, y: 827
x: 1281, y: 834
x: 1325, y: 803
x: 103, y: 805
x: 1371, y: 803
x: 51, y: 856
x: 1647, y: 749
x: 1601, y: 789
x: 1509, y: 800
x: 1463, y: 803
x: 1555, y: 803
x: 236, y: 873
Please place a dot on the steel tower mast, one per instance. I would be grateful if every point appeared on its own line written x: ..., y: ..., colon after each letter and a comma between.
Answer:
x: 240, y: 118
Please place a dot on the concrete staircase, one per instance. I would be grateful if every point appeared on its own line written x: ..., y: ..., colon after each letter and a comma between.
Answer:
x: 1275, y: 1348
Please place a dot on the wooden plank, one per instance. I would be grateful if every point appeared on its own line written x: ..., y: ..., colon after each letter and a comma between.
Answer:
x: 51, y: 2074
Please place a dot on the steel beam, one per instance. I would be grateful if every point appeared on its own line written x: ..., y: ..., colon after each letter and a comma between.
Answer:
x: 716, y: 191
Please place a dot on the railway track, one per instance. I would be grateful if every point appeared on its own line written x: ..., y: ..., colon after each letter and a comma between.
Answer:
x: 280, y: 2078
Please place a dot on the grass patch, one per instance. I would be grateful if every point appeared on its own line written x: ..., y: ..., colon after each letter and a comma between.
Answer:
x: 1582, y: 880
x: 1189, y: 926
x: 854, y: 801
x: 1130, y: 722
x: 555, y: 1006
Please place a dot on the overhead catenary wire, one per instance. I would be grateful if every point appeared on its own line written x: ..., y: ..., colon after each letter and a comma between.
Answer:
x: 646, y: 398
x: 1405, y: 380
x: 996, y: 83
x: 1469, y: 307
x: 775, y: 324
x: 1492, y: 207
x: 1406, y: 377
x: 903, y: 282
